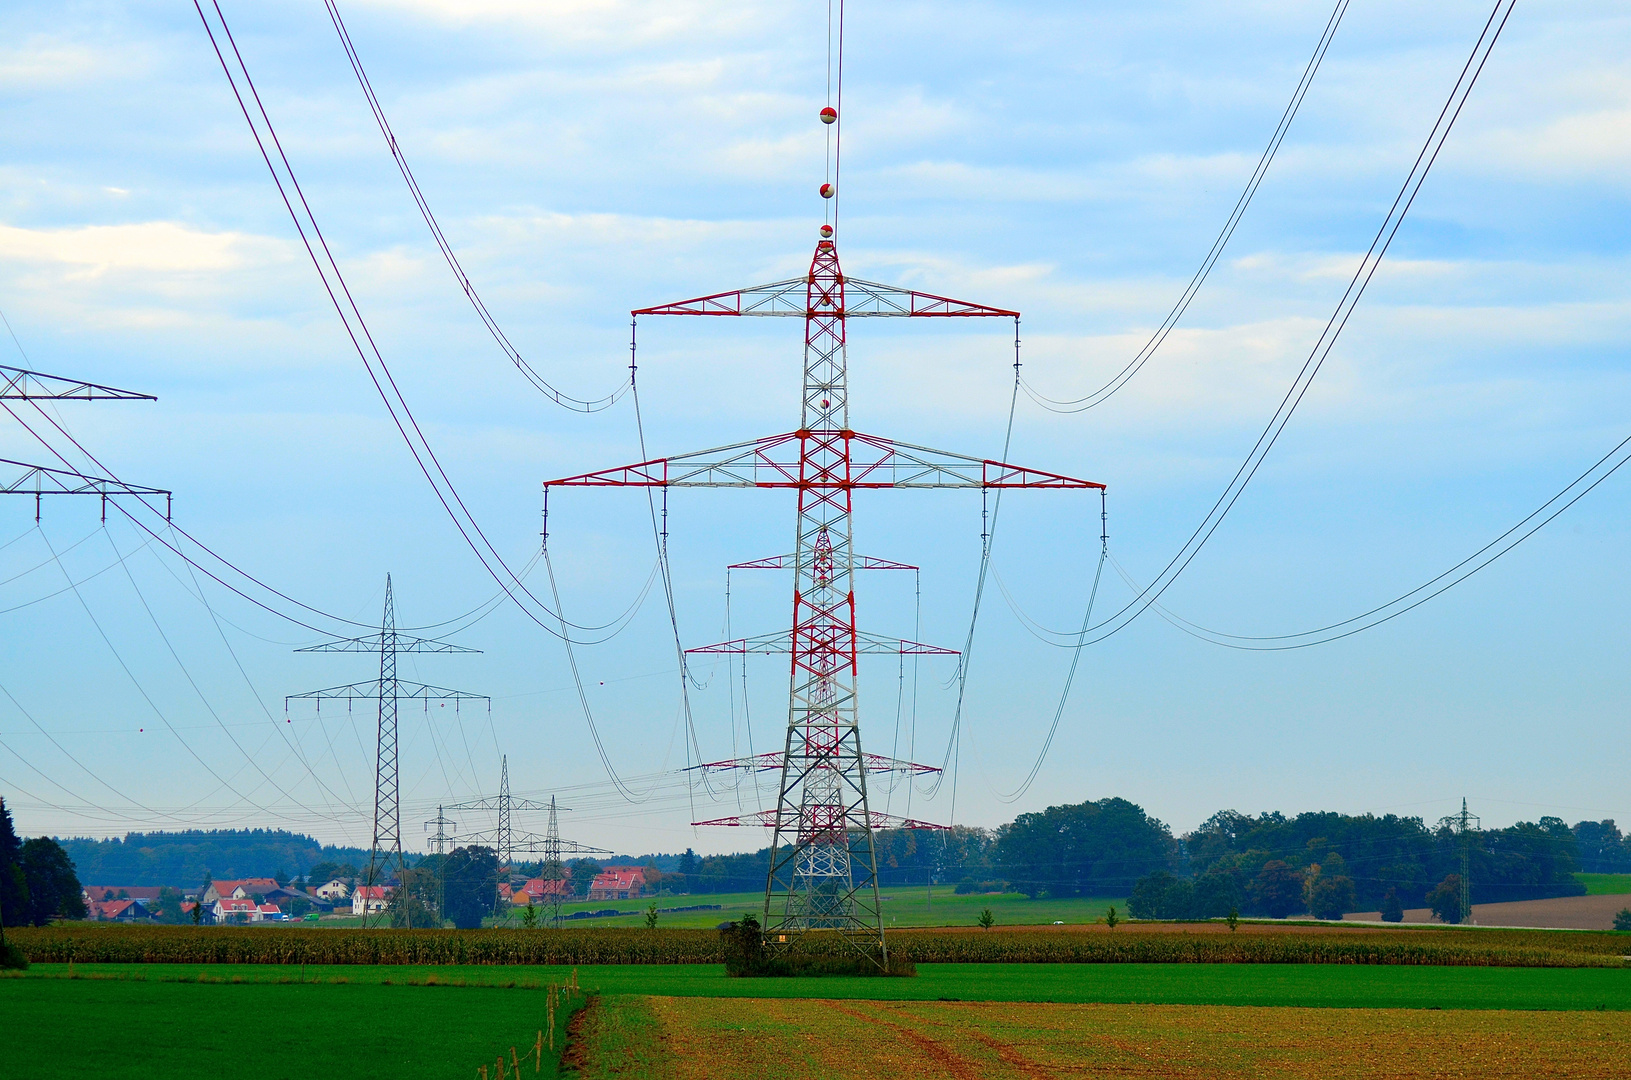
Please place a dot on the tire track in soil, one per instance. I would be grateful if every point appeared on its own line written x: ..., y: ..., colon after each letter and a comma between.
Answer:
x: 960, y: 1067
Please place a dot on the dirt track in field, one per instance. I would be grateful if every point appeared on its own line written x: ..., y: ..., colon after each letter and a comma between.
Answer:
x: 780, y: 1039
x: 1562, y: 913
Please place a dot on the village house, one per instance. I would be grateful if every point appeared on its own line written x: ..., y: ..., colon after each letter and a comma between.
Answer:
x: 235, y: 910
x: 127, y: 910
x: 538, y: 891
x: 239, y: 890
x: 149, y: 894
x: 333, y: 890
x: 369, y: 899
x: 618, y: 883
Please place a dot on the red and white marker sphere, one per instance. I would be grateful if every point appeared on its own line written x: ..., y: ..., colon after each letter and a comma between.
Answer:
x: 829, y: 115
x: 828, y: 191
x: 826, y: 232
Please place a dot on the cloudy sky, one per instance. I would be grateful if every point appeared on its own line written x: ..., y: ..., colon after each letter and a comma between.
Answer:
x: 586, y: 157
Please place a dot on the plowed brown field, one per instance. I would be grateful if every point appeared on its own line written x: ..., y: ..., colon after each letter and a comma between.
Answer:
x: 759, y: 1039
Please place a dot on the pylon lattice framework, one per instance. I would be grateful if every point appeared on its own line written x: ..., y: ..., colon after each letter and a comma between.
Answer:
x: 823, y: 873
x: 23, y: 478
x: 389, y: 691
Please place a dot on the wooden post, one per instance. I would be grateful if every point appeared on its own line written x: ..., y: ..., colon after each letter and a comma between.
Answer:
x: 515, y: 1064
x: 538, y: 1053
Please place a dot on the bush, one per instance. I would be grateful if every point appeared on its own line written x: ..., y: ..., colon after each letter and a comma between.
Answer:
x: 11, y: 958
x: 1622, y: 921
x: 1392, y: 910
x: 1445, y: 899
x: 747, y: 956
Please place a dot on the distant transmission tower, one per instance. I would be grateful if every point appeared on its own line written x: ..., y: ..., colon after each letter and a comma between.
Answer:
x: 22, y: 478
x: 823, y: 869
x: 1465, y: 826
x: 389, y: 692
x: 438, y: 842
x: 502, y: 838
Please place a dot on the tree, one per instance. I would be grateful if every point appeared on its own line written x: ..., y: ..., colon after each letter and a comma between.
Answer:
x: 584, y: 872
x: 468, y: 885
x: 1327, y: 891
x: 1622, y: 920
x: 413, y: 901
x: 168, y: 907
x: 651, y: 916
x: 1277, y: 890
x: 1392, y: 909
x: 1217, y: 892
x: 986, y: 920
x: 1445, y: 899
x: 1145, y: 901
x: 529, y: 917
x: 53, y: 888
x: 1088, y: 849
x: 14, y: 904
x: 688, y: 863
x: 1110, y: 917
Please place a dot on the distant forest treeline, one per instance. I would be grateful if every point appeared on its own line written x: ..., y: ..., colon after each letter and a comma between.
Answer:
x: 1104, y: 848
x: 184, y: 859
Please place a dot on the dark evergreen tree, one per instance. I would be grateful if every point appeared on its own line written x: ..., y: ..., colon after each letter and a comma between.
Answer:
x: 1392, y: 910
x: 467, y: 884
x: 53, y: 888
x: 13, y: 885
x: 1445, y: 899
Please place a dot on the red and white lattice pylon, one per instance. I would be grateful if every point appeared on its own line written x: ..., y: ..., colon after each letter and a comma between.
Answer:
x: 823, y: 869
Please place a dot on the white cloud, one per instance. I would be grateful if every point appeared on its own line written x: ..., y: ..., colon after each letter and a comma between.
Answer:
x: 165, y: 247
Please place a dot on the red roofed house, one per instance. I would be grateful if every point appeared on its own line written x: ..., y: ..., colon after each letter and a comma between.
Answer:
x: 99, y: 893
x: 117, y: 910
x: 269, y: 913
x: 537, y: 890
x: 369, y: 899
x: 618, y: 883
x: 230, y: 910
x: 239, y: 889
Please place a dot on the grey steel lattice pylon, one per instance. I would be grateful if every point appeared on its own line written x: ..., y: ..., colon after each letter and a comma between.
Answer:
x: 1464, y: 825
x: 389, y: 691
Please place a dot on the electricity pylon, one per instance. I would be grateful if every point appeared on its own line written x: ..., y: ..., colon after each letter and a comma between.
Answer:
x: 823, y: 868
x: 438, y: 841
x: 506, y: 842
x: 1465, y: 826
x: 389, y: 692
x: 22, y: 478
x: 554, y: 849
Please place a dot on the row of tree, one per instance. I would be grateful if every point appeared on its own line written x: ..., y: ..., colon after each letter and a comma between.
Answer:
x: 169, y: 858
x: 37, y: 880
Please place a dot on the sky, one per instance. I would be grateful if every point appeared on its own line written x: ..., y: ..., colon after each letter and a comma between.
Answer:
x: 1073, y: 161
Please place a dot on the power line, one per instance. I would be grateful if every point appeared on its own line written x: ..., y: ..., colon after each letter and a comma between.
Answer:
x: 1140, y: 358
x: 584, y: 405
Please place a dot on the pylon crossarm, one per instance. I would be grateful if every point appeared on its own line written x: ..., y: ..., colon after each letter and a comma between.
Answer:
x: 772, y: 762
x: 876, y: 819
x: 21, y: 478
x: 780, y: 644
x: 787, y: 562
x: 858, y: 299
x: 370, y: 691
x: 372, y: 643
x: 20, y: 384
x: 859, y: 461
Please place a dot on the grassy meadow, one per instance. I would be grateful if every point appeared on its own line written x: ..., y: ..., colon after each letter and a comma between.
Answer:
x: 903, y: 906
x: 1605, y: 884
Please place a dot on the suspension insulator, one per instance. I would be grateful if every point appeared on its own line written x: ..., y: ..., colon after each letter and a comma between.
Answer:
x: 826, y: 231
x: 828, y: 191
x: 829, y: 115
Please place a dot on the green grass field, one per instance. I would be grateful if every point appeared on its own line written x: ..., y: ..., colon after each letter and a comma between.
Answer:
x: 1605, y: 884
x: 137, y: 1030
x: 1321, y: 985
x: 907, y: 905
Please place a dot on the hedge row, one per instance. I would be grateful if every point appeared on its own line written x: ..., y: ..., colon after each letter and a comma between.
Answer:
x: 89, y: 943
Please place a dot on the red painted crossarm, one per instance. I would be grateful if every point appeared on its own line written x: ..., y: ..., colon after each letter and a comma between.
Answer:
x: 825, y: 460
x: 766, y: 819
x: 860, y: 300
x: 771, y: 761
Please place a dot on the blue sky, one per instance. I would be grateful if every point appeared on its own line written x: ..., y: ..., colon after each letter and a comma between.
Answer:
x: 1072, y: 161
